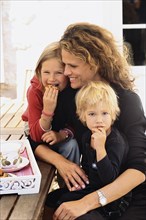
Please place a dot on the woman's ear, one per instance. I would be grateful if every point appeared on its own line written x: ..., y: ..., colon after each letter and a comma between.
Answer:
x: 94, y: 68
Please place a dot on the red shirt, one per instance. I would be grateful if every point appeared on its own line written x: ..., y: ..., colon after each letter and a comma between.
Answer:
x: 34, y: 109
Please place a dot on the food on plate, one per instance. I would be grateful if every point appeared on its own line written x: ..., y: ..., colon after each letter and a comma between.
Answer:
x: 3, y: 174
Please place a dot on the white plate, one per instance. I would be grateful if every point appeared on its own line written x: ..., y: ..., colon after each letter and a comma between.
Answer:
x: 9, y: 146
x: 24, y: 163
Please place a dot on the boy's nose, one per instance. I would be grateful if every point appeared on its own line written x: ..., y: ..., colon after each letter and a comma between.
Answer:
x: 98, y: 119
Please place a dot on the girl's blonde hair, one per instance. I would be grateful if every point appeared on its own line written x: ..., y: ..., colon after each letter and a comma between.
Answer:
x: 94, y: 92
x: 97, y: 47
x: 51, y: 51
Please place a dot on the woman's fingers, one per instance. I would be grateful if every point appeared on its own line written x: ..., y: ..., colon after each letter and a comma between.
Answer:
x: 73, y: 175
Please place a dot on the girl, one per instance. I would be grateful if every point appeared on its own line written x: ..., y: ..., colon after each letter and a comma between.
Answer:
x: 48, y: 99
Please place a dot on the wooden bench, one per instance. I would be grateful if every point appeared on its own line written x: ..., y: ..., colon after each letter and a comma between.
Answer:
x: 17, y: 207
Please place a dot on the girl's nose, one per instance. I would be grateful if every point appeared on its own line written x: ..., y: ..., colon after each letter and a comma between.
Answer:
x: 51, y: 77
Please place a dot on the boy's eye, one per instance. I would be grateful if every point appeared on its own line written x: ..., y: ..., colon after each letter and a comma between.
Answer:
x: 91, y: 114
x: 105, y: 113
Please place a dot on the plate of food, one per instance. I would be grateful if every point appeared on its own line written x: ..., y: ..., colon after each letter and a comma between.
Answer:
x: 24, y: 162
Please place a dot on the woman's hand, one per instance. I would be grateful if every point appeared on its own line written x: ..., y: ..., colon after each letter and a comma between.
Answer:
x: 70, y: 210
x: 52, y: 137
x: 74, y: 177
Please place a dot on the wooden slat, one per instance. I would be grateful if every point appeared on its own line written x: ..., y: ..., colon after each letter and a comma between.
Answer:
x: 10, y: 114
x: 15, y: 137
x: 21, y: 124
x: 17, y: 130
x: 7, y: 201
x: 4, y: 137
x: 16, y: 120
x: 5, y: 108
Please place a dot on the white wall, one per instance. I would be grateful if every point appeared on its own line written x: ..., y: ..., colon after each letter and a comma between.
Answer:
x: 30, y: 25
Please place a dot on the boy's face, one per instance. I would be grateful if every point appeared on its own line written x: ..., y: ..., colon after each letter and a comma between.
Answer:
x: 52, y: 73
x: 98, y: 116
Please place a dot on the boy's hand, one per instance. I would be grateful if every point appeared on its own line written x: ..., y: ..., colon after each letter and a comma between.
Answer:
x: 98, y: 139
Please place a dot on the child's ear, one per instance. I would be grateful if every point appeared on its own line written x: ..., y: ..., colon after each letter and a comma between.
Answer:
x: 83, y: 119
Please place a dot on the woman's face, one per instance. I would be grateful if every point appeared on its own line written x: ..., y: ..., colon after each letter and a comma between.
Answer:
x: 77, y: 70
x: 52, y: 73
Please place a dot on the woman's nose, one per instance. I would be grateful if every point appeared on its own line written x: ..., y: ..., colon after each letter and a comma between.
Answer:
x: 67, y: 71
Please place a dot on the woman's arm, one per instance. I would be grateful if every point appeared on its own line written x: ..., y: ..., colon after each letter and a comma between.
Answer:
x: 70, y: 172
x: 113, y: 191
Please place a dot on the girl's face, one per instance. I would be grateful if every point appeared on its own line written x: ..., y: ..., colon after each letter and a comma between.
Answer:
x: 52, y: 73
x: 98, y: 116
x: 77, y: 70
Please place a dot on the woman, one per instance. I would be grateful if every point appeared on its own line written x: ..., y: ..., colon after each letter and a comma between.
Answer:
x: 90, y: 52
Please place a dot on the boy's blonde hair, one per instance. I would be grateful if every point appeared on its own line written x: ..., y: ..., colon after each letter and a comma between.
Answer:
x: 94, y: 92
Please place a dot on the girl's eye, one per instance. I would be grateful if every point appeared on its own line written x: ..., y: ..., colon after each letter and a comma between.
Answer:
x: 46, y: 72
x: 59, y: 73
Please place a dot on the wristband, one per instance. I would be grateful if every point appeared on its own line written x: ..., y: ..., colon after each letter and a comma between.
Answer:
x: 48, y: 114
x: 68, y: 133
x: 45, y: 129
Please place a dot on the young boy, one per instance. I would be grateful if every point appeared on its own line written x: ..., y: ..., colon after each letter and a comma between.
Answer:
x: 105, y: 149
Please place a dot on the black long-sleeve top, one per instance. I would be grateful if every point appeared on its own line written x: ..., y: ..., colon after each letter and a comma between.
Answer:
x: 131, y: 122
x: 102, y: 172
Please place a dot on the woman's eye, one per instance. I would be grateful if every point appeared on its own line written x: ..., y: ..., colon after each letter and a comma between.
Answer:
x: 73, y: 66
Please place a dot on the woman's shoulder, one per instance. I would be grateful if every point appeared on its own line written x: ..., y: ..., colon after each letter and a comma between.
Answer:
x: 126, y: 96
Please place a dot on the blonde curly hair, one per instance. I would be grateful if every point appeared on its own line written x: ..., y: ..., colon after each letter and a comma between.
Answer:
x: 97, y: 47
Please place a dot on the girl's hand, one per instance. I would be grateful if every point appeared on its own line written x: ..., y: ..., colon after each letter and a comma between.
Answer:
x: 50, y: 99
x: 52, y: 137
